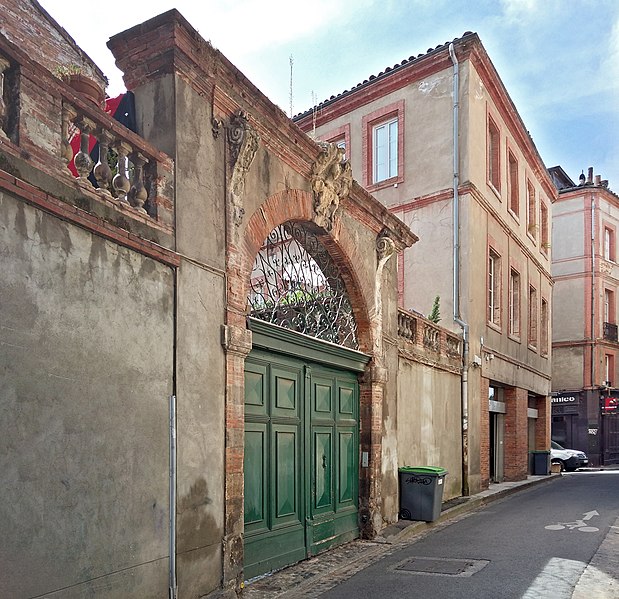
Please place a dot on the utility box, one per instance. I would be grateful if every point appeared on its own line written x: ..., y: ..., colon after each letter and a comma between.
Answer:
x: 541, y: 462
x: 421, y: 492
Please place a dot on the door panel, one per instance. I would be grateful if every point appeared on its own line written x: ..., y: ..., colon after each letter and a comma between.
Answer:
x: 301, y: 459
x: 322, y: 470
x: 255, y: 476
x: 286, y: 475
x: 347, y: 450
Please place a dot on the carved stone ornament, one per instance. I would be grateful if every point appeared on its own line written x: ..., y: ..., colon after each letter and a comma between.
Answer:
x: 331, y: 183
x: 243, y: 143
x: 216, y: 125
x: 385, y: 247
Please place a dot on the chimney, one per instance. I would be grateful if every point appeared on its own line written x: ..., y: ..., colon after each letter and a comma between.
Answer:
x: 605, y: 183
x: 590, y: 176
x: 598, y: 180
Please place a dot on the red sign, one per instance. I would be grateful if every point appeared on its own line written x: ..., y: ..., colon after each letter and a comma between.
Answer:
x: 611, y: 405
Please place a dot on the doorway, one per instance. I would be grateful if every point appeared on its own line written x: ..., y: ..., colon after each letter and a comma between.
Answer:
x: 301, y: 465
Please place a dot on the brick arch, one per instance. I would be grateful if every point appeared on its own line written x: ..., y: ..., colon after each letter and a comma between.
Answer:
x: 291, y: 205
x: 297, y: 205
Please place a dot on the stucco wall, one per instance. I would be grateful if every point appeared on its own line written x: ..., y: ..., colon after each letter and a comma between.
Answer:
x: 86, y: 371
x: 567, y: 368
x: 429, y: 416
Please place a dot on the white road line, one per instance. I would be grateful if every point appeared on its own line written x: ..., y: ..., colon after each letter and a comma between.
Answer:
x: 556, y: 580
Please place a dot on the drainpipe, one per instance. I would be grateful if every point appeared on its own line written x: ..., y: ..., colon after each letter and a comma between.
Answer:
x: 456, y: 278
x: 172, y: 590
x: 593, y: 381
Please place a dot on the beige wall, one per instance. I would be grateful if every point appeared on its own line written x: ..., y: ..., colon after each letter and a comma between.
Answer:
x: 429, y: 415
x: 87, y: 361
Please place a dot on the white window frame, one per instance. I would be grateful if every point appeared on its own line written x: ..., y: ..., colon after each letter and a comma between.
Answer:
x: 390, y: 164
x: 494, y: 287
x: 514, y: 303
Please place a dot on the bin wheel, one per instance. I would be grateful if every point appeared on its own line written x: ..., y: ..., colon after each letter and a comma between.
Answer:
x: 405, y: 515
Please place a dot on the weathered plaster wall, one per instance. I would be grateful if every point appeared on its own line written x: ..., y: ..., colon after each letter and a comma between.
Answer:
x: 429, y: 413
x: 86, y: 371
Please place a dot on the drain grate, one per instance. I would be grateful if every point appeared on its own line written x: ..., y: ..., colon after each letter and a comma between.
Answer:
x: 441, y: 566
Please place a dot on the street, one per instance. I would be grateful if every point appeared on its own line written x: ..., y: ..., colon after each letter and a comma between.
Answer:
x: 536, y: 544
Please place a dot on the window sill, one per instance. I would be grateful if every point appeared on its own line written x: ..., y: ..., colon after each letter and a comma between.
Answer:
x: 391, y: 182
x: 532, y: 238
x: 495, y: 191
x: 515, y: 216
x: 515, y: 338
x: 493, y: 325
x: 533, y: 348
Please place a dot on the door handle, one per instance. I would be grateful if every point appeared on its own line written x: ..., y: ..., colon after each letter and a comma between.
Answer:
x: 324, y: 461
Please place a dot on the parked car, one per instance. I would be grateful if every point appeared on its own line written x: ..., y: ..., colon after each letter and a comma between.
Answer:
x: 570, y: 459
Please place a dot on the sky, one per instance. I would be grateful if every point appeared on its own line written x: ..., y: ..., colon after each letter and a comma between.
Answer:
x: 558, y: 59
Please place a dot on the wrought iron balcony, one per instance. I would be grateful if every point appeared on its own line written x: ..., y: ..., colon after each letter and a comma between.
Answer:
x: 610, y: 331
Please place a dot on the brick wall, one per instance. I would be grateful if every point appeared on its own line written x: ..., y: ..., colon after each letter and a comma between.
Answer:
x: 516, y: 434
x: 484, y: 434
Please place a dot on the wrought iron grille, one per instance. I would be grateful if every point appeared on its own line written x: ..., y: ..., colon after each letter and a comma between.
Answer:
x: 297, y: 285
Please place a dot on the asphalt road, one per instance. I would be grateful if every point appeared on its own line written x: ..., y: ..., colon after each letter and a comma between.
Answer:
x: 535, y: 544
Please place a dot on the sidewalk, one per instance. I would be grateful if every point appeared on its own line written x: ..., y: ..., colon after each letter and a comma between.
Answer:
x: 312, y: 577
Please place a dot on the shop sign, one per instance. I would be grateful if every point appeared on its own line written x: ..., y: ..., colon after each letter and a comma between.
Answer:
x: 610, y: 405
x: 561, y: 399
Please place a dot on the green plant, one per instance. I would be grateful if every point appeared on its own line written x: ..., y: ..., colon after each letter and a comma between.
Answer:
x: 435, y: 315
x: 64, y: 70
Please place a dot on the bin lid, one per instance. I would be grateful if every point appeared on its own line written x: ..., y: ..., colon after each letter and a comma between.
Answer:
x: 437, y: 470
x: 546, y: 451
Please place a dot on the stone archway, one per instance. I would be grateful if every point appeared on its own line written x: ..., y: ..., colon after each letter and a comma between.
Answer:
x: 294, y: 206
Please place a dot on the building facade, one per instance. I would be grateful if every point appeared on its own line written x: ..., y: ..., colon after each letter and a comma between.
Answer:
x: 585, y: 346
x: 171, y: 427
x: 461, y: 170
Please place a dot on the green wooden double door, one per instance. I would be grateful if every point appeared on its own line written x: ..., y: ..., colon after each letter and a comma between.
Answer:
x: 301, y: 459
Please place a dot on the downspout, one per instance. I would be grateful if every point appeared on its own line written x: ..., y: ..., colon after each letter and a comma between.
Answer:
x: 464, y: 393
x: 593, y: 383
x: 172, y: 590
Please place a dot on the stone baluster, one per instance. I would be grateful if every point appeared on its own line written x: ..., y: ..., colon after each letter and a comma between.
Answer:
x: 83, y: 161
x: 137, y: 193
x: 120, y: 183
x: 68, y: 115
x: 102, y: 170
x: 4, y: 65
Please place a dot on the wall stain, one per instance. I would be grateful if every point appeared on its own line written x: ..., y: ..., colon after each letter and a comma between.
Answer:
x: 53, y: 232
x: 196, y: 527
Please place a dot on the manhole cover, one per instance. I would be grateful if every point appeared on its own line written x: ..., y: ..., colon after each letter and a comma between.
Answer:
x: 442, y: 566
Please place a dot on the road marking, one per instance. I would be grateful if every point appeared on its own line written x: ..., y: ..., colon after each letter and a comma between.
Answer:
x: 556, y: 580
x: 577, y: 524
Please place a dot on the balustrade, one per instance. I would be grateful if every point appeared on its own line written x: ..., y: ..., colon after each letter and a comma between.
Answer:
x: 431, y: 337
x: 126, y: 169
x: 407, y: 326
x: 127, y: 183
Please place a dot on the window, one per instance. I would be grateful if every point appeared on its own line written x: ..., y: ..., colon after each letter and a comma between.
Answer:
x: 341, y: 143
x: 385, y: 151
x: 512, y: 177
x: 382, y: 142
x: 531, y: 212
x: 543, y: 217
x: 609, y: 244
x: 494, y: 288
x: 532, y: 316
x: 609, y: 306
x: 609, y: 369
x: 494, y: 174
x: 544, y: 326
x: 514, y: 303
x: 339, y: 136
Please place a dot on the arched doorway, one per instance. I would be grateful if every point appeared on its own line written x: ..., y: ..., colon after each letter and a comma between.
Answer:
x: 301, y: 455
